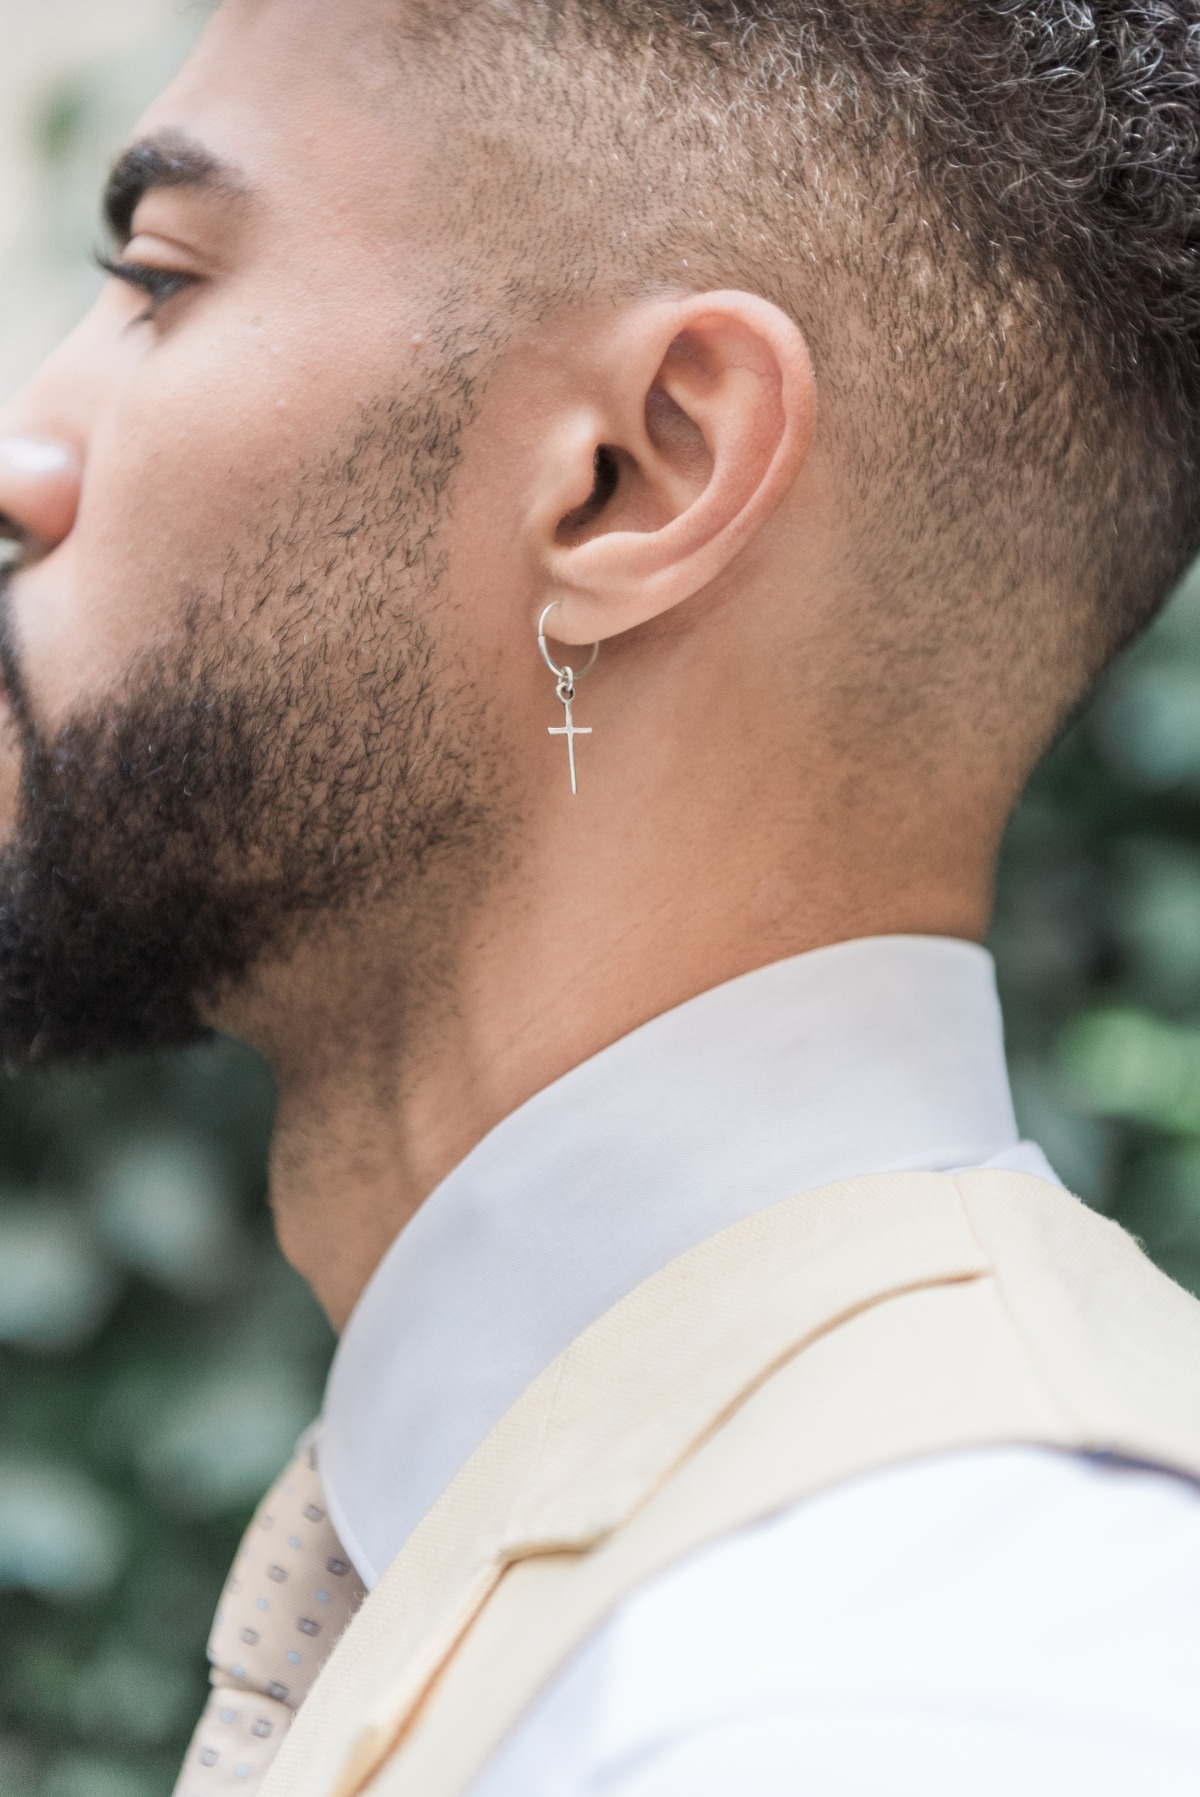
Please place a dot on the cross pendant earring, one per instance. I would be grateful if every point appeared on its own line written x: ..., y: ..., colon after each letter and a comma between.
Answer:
x: 565, y: 688
x: 570, y: 729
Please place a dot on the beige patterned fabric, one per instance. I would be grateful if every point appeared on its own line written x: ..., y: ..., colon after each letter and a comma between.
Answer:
x: 289, y: 1595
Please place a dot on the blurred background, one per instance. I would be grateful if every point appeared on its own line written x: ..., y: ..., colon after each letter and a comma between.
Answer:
x: 157, y: 1358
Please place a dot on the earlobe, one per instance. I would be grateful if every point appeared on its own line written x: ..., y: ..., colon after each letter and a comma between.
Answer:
x: 705, y: 418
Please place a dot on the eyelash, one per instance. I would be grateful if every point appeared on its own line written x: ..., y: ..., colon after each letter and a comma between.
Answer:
x: 158, y: 284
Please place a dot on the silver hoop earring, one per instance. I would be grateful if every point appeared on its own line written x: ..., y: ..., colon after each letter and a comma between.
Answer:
x: 566, y: 678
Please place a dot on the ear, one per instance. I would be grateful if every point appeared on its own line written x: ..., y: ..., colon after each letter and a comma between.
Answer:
x: 691, y: 421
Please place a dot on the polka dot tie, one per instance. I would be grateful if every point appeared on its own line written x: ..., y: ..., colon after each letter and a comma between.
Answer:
x: 290, y: 1594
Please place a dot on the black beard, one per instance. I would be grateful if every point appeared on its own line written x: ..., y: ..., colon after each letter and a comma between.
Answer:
x: 111, y: 933
x: 169, y: 843
x: 172, y: 839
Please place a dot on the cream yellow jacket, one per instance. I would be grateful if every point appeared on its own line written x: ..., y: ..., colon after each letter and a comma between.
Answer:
x: 856, y: 1326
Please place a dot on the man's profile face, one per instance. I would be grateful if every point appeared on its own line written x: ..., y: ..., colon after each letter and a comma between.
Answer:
x: 232, y: 662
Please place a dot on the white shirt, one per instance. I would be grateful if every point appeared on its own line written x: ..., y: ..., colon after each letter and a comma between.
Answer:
x: 856, y: 1641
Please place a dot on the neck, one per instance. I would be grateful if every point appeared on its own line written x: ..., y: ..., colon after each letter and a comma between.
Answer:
x: 389, y: 1072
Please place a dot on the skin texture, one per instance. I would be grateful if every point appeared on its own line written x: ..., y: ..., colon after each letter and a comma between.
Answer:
x: 244, y: 494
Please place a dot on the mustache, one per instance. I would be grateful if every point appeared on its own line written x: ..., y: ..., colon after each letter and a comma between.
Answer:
x: 11, y: 673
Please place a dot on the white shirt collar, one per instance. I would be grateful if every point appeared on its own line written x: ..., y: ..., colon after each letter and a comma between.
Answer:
x: 880, y: 1054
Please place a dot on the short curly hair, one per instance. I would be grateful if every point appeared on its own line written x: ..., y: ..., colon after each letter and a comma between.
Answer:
x: 985, y: 214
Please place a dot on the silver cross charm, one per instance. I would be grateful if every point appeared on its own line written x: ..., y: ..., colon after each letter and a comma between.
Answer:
x: 570, y: 729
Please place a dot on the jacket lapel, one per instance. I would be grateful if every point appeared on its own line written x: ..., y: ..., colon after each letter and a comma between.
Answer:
x: 602, y: 1428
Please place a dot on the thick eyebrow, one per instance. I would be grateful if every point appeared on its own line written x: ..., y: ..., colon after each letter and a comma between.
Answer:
x: 165, y: 161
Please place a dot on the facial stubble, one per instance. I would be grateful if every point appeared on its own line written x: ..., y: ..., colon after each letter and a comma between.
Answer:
x: 236, y: 797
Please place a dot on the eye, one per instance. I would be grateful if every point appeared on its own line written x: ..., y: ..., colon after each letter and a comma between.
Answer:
x: 158, y: 284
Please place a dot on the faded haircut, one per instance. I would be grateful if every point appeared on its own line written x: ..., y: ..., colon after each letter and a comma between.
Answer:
x: 984, y: 215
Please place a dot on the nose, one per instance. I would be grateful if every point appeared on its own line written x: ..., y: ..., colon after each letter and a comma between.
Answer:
x: 39, y: 491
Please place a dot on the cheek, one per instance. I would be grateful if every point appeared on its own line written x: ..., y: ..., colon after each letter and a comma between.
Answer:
x: 194, y: 463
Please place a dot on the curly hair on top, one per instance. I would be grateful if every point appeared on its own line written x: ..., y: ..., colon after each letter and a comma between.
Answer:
x: 985, y: 214
x: 1067, y: 132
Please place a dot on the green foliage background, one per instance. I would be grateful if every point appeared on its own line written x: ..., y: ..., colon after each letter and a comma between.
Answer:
x: 157, y: 1359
